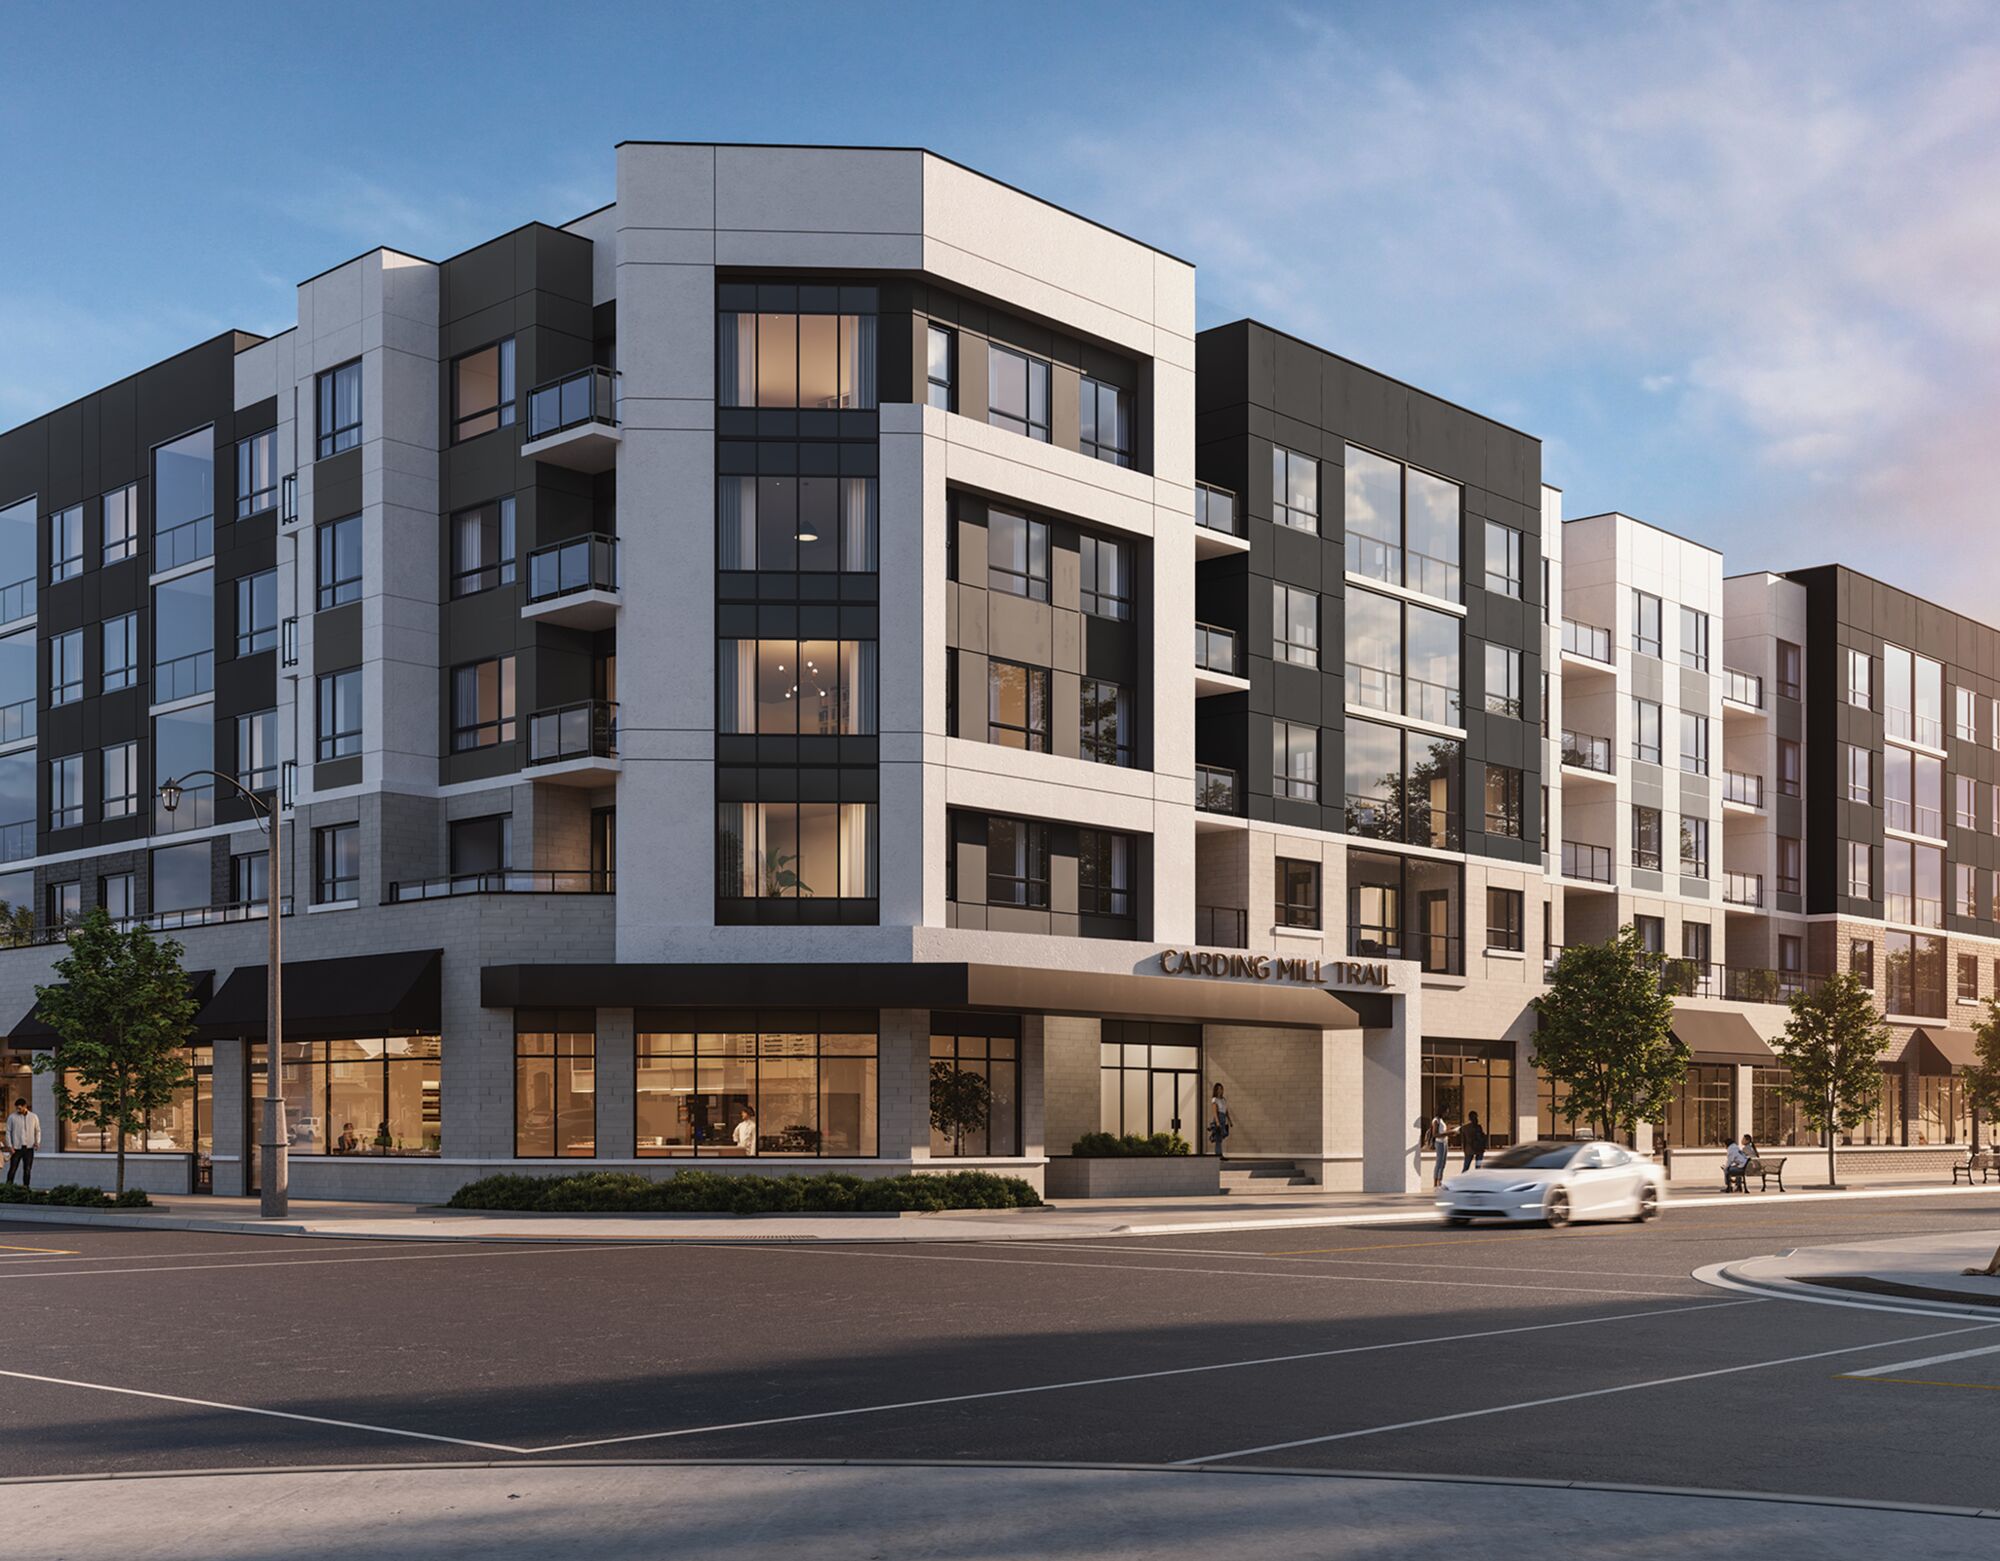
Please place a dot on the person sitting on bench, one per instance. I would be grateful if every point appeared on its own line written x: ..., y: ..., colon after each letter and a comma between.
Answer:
x: 1736, y: 1168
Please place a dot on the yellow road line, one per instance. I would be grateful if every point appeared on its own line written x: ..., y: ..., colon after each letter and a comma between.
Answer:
x: 51, y: 1251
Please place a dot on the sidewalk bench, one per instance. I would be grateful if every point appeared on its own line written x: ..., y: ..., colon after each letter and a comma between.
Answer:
x: 1986, y: 1163
x: 1764, y: 1170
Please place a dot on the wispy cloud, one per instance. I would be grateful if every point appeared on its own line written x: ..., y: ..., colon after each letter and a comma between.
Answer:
x: 57, y: 350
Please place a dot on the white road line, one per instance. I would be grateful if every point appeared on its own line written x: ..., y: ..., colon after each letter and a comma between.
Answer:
x: 128, y: 1257
x: 251, y: 1409
x: 1305, y: 1259
x: 1928, y: 1360
x: 307, y: 1262
x: 1135, y: 1376
x: 1302, y: 1276
x: 1571, y: 1398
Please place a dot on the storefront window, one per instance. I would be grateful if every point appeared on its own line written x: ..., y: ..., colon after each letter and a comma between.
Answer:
x: 1885, y: 1126
x: 1943, y: 1114
x: 790, y: 1082
x: 1149, y: 1080
x: 1460, y: 1077
x: 378, y: 1096
x: 1775, y: 1119
x: 1553, y: 1117
x: 1701, y: 1114
x: 555, y: 1082
x: 185, y: 1125
x: 985, y: 1045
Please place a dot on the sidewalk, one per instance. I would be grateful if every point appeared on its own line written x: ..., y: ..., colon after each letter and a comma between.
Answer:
x: 1923, y: 1274
x: 1067, y: 1219
x: 898, y: 1512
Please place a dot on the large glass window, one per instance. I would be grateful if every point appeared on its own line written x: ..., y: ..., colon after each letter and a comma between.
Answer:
x: 1694, y: 639
x: 784, y: 688
x: 1402, y: 785
x: 1298, y: 893
x: 1646, y: 838
x: 66, y: 669
x: 1913, y: 966
x: 1504, y: 917
x: 256, y: 474
x: 795, y: 1082
x: 1104, y: 422
x: 1017, y: 555
x: 121, y: 651
x: 1645, y: 730
x: 991, y: 1047
x: 257, y: 613
x: 1103, y: 872
x: 1404, y: 908
x: 339, y: 562
x: 1701, y: 1112
x: 1646, y: 609
x: 340, y: 409
x: 818, y: 525
x: 1017, y: 706
x: 1463, y: 1077
x: 482, y: 390
x: 339, y: 714
x: 17, y: 810
x: 482, y: 548
x: 1775, y: 1119
x: 1105, y: 716
x: 1503, y: 681
x: 257, y: 750
x: 1503, y: 801
x: 481, y: 845
x: 1017, y: 863
x: 121, y: 523
x: 555, y: 1083
x: 66, y: 792
x: 482, y: 704
x: 1149, y: 1079
x: 1694, y: 846
x: 1017, y: 392
x: 1405, y: 527
x: 820, y: 361
x: 1294, y: 489
x: 336, y: 863
x: 1943, y: 1113
x: 18, y: 701
x: 185, y: 1125
x: 120, y: 763
x: 1295, y: 761
x: 66, y: 544
x: 1860, y: 682
x: 18, y: 572
x: 1402, y: 658
x: 184, y: 500
x: 1694, y: 746
x: 365, y: 1097
x: 1503, y: 560
x: 181, y: 876
x: 1294, y: 625
x: 183, y: 743
x: 1104, y: 577
x: 805, y: 850
x: 941, y: 368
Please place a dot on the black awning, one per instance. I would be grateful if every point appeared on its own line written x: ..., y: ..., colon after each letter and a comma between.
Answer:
x: 334, y: 999
x: 34, y: 1036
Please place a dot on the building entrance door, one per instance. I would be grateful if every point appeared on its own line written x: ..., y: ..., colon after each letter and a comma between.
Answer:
x: 1176, y: 1104
x: 1151, y: 1080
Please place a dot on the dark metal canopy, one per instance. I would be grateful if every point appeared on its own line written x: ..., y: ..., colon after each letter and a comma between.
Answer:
x: 31, y: 1034
x: 333, y: 999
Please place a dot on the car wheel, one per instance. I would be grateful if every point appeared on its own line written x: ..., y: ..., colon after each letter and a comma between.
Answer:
x: 1556, y: 1210
x: 1457, y: 1219
x: 1649, y: 1203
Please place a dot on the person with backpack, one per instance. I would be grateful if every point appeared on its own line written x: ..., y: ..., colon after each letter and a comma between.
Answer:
x: 1472, y: 1139
x: 1218, y: 1120
x: 1440, y: 1132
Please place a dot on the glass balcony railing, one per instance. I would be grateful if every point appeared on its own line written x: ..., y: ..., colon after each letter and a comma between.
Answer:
x: 511, y: 881
x: 1215, y: 649
x: 1743, y: 688
x: 588, y: 396
x: 1222, y: 926
x: 1214, y: 790
x: 587, y: 729
x: 1742, y: 788
x: 1742, y: 888
x: 1586, y: 640
x: 1215, y: 510
x: 1581, y: 751
x: 587, y: 563
x: 1586, y: 863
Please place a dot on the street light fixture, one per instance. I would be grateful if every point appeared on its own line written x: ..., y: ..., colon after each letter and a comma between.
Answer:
x: 274, y: 1179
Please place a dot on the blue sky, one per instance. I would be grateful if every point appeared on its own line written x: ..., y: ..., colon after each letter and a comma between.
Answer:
x: 1738, y: 266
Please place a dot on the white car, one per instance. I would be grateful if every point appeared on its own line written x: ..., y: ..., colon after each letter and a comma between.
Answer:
x: 1554, y: 1182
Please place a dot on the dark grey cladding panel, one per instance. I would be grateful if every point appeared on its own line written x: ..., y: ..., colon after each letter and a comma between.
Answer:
x: 337, y: 638
x: 332, y: 773
x: 337, y: 487
x: 246, y: 683
x: 246, y: 547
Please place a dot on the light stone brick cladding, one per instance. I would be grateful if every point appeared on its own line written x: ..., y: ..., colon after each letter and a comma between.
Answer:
x: 1070, y: 1084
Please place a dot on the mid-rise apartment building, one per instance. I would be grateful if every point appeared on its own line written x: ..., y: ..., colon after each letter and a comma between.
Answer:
x: 828, y: 616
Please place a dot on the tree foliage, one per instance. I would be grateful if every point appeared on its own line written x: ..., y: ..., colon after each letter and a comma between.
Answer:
x: 960, y: 1102
x: 1982, y: 1079
x: 121, y: 1011
x: 1833, y: 1044
x: 1607, y: 1033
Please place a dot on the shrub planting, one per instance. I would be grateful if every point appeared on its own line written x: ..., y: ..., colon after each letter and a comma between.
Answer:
x: 708, y: 1192
x: 1110, y: 1146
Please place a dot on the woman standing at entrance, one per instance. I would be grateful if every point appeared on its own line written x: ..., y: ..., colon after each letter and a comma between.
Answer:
x: 1218, y: 1119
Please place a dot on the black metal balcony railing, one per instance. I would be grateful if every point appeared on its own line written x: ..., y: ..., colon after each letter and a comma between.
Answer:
x: 587, y: 729
x: 586, y: 563
x: 587, y: 396
x: 1215, y: 649
x: 41, y: 933
x: 1222, y: 926
x: 1587, y: 640
x: 1685, y: 977
x: 512, y: 881
x: 1586, y: 863
x: 1583, y: 752
x: 1743, y: 688
x: 1214, y: 790
x: 1215, y: 510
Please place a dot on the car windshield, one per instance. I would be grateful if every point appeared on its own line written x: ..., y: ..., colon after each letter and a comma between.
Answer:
x: 1533, y: 1157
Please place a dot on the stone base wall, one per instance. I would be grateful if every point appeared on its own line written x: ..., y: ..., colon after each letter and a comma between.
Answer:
x: 1161, y: 1176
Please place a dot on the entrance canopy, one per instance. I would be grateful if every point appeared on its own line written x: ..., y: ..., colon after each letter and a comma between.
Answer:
x: 1019, y: 988
x: 333, y: 999
x: 1945, y: 1051
x: 1713, y: 1036
x: 32, y: 1035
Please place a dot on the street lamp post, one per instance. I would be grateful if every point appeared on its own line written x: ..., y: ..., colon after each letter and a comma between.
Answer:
x: 275, y: 1170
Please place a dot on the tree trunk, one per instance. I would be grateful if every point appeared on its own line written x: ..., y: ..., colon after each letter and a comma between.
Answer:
x: 121, y: 1162
x: 1829, y: 1141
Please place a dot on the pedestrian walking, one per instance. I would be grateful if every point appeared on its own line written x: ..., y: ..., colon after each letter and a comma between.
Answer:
x: 1218, y: 1120
x: 1440, y: 1133
x: 1472, y: 1139
x: 24, y: 1137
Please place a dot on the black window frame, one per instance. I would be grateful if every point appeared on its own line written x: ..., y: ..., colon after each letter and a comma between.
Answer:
x: 1282, y: 509
x: 941, y: 393
x: 1091, y: 394
x: 334, y: 435
x: 504, y: 727
x: 65, y: 526
x: 332, y: 741
x: 1510, y: 822
x: 256, y: 777
x: 258, y: 636
x: 1102, y: 854
x: 126, y: 674
x: 1283, y: 783
x: 61, y: 816
x: 1647, y: 842
x: 1026, y: 582
x: 1298, y: 900
x: 1508, y: 934
x: 330, y: 887
x: 1646, y: 605
x: 506, y: 392
x: 1027, y: 889
x: 996, y: 353
x: 130, y: 776
x: 1036, y: 700
x: 332, y: 589
x: 251, y: 499
x: 1507, y: 701
x: 1120, y: 749
x: 1283, y: 647
x: 1509, y: 540
x: 1092, y: 596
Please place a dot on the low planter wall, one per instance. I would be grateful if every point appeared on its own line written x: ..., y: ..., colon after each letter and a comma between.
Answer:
x: 1802, y: 1166
x: 1133, y: 1176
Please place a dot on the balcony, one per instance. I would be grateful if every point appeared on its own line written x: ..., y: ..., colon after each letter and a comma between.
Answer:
x: 539, y: 881
x: 1744, y: 889
x: 1218, y: 524
x: 1215, y: 789
x: 1586, y: 642
x: 1586, y: 863
x: 1742, y: 790
x: 1581, y: 751
x: 576, y: 744
x: 574, y: 583
x: 1222, y: 926
x: 1217, y: 667
x: 573, y: 421
x: 1683, y: 977
x: 1744, y: 690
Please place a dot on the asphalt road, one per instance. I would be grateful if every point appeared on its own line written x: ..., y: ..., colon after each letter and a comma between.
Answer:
x: 1587, y: 1353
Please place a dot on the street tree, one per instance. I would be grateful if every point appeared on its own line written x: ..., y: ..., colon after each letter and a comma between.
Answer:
x: 960, y: 1102
x: 1833, y: 1045
x: 1982, y: 1090
x: 1607, y: 1033
x: 121, y: 1011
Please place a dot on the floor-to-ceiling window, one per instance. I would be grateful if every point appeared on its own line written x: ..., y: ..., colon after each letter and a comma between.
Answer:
x: 990, y: 1046
x: 1149, y: 1080
x: 1461, y: 1077
x: 780, y: 1082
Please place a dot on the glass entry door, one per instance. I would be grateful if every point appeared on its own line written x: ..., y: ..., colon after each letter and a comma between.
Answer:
x: 1176, y: 1105
x: 1150, y: 1080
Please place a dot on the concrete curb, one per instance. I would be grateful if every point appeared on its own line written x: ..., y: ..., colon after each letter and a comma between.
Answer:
x: 1732, y: 1276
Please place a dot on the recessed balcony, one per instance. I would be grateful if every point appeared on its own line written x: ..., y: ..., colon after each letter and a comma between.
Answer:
x: 574, y: 583
x: 1742, y: 792
x: 1218, y: 523
x: 1743, y: 891
x: 573, y: 421
x: 1587, y: 648
x: 1217, y: 666
x: 1587, y: 758
x: 1217, y: 798
x: 1742, y: 692
x: 507, y: 881
x: 1586, y: 864
x: 575, y: 745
